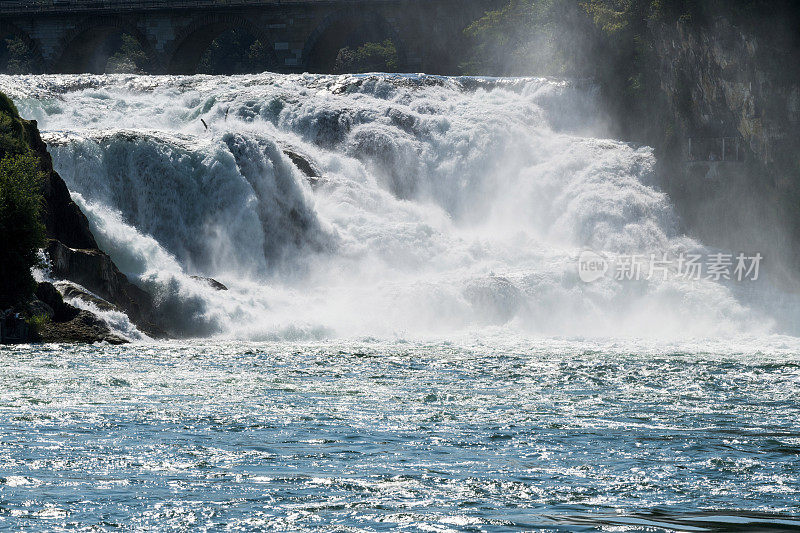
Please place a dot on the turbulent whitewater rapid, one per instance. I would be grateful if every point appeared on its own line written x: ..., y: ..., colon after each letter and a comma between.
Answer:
x: 385, y: 206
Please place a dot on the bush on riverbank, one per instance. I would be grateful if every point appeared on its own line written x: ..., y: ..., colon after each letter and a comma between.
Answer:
x: 21, y: 202
x: 541, y: 37
x: 20, y: 226
x: 129, y: 58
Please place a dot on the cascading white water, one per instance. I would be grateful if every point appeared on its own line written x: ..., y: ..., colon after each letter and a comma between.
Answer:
x: 438, y: 205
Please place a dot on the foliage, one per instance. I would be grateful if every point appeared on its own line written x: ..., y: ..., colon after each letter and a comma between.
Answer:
x: 20, y: 225
x: 17, y: 57
x: 607, y: 40
x: 14, y: 136
x: 235, y: 52
x: 38, y: 323
x: 552, y: 37
x: 543, y: 37
x: 369, y: 57
x: 130, y: 57
x: 21, y: 229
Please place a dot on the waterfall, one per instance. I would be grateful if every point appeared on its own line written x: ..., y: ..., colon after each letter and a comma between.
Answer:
x: 371, y: 205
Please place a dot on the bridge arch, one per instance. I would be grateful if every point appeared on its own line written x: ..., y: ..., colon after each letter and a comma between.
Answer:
x: 348, y: 27
x: 34, y: 62
x: 195, y: 39
x: 88, y: 47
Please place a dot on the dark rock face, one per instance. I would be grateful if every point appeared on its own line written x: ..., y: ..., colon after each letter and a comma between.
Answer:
x: 62, y: 217
x: 63, y: 322
x: 49, y: 295
x: 302, y: 163
x: 72, y: 290
x: 84, y: 327
x: 94, y: 270
x: 212, y: 282
x: 725, y: 93
x: 73, y: 250
x: 722, y: 79
x: 37, y: 307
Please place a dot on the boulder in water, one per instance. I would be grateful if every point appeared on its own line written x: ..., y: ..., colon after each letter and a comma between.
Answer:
x: 212, y: 282
x: 57, y: 321
x: 494, y: 299
x: 94, y: 270
x: 48, y: 294
x: 302, y: 163
x: 84, y: 327
x: 72, y: 290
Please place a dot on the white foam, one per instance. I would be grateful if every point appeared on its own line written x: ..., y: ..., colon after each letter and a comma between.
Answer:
x: 445, y: 205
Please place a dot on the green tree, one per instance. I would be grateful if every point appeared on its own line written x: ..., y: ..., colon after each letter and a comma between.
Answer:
x: 234, y: 52
x: 569, y: 37
x: 18, y: 57
x: 531, y: 37
x: 21, y: 229
x: 130, y: 57
x: 607, y: 40
x: 369, y: 57
x: 258, y: 57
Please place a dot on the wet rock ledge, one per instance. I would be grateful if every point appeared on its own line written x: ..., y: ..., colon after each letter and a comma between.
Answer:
x: 61, y: 322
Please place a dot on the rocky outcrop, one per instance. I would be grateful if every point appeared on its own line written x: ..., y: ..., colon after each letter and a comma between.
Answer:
x: 723, y: 79
x: 304, y: 165
x: 63, y: 219
x: 75, y: 256
x: 47, y: 294
x: 74, y: 291
x: 57, y: 321
x: 211, y: 282
x: 84, y: 328
x: 495, y: 299
x: 720, y: 88
x: 72, y: 248
x: 95, y: 270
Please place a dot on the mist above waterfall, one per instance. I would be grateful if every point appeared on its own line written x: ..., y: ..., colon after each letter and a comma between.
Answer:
x: 437, y: 206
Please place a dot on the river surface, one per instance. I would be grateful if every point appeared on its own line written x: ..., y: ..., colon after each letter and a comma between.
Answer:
x: 381, y: 436
x: 409, y: 339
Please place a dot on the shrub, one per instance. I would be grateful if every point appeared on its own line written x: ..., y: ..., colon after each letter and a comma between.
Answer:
x: 16, y: 57
x: 37, y: 323
x: 541, y: 37
x: 129, y: 58
x: 235, y: 52
x: 21, y: 229
x: 369, y: 57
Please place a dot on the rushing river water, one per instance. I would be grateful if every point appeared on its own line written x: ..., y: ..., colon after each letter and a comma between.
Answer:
x: 467, y: 436
x: 406, y: 342
x: 436, y: 206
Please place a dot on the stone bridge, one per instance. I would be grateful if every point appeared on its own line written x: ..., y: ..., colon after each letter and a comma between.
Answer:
x: 68, y: 36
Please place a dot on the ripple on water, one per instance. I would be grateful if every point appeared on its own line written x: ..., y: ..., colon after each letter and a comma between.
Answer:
x: 384, y: 436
